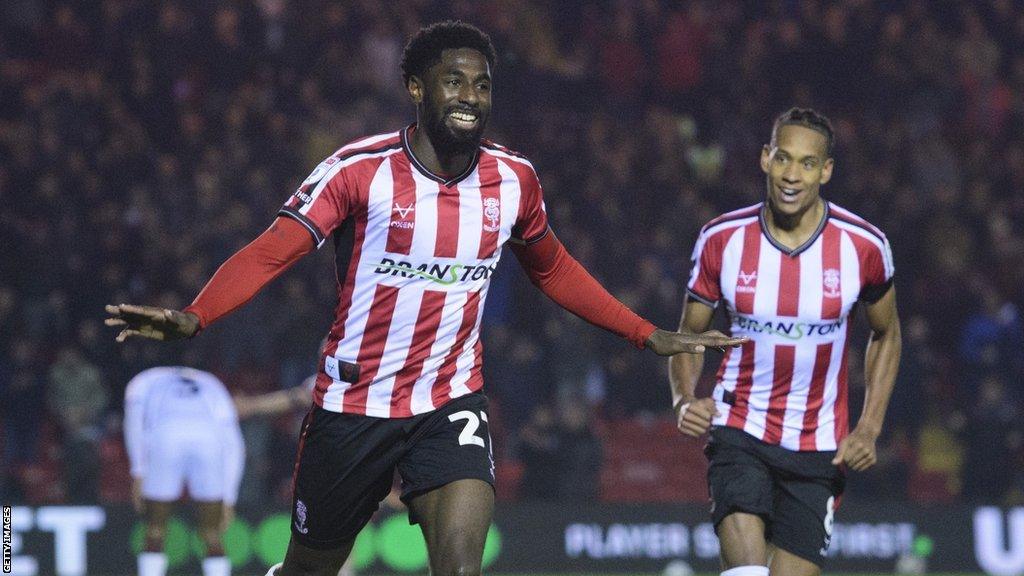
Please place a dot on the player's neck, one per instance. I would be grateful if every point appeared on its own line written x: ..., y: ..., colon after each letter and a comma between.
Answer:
x: 439, y: 161
x: 793, y: 230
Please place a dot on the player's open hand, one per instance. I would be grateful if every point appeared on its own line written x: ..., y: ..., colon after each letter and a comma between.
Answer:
x: 151, y: 322
x: 857, y: 451
x: 665, y: 343
x: 694, y: 418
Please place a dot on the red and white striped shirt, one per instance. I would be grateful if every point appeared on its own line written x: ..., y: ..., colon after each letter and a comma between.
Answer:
x: 415, y: 252
x: 788, y: 385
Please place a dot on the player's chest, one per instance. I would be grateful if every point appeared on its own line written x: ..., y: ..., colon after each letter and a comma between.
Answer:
x: 809, y: 286
x: 412, y: 215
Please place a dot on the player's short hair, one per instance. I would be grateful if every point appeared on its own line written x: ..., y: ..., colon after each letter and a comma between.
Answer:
x: 808, y: 118
x: 424, y: 49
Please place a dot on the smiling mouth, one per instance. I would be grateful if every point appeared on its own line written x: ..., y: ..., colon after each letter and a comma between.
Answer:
x: 463, y: 118
x: 789, y: 194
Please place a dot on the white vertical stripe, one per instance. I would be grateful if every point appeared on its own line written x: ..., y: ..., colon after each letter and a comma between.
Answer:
x: 796, y: 400
x: 424, y: 235
x: 396, y: 350
x: 760, y: 392
x: 447, y: 331
x: 811, y: 282
x: 511, y: 194
x: 769, y: 266
x: 471, y: 213
x: 731, y: 258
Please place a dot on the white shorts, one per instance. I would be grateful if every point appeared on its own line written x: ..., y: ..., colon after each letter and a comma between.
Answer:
x: 176, y: 459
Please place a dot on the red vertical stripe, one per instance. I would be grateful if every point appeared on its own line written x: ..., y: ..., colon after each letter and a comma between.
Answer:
x: 403, y: 206
x: 378, y: 325
x: 815, y: 397
x: 744, y: 380
x: 476, y: 374
x: 842, y: 413
x: 782, y: 380
x: 490, y: 198
x: 423, y: 337
x: 443, y: 384
x: 746, y: 284
x: 831, y: 306
x: 789, y: 286
x: 872, y: 267
x: 447, y: 244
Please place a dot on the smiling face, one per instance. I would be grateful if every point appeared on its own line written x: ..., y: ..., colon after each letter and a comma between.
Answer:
x: 796, y: 164
x: 453, y: 99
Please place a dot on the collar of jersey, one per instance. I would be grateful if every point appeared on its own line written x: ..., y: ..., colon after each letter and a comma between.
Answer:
x: 422, y: 169
x: 782, y: 248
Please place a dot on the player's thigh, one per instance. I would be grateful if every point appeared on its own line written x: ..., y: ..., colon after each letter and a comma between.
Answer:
x: 344, y: 468
x: 455, y: 519
x: 804, y: 514
x: 452, y: 443
x: 204, y: 469
x: 165, y: 467
x: 448, y: 478
x: 741, y: 488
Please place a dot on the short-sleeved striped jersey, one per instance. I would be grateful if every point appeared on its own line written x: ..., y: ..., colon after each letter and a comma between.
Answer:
x: 788, y: 385
x: 415, y: 252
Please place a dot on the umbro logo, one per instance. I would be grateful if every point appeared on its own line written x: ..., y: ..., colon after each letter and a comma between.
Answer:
x: 403, y: 212
x: 748, y: 278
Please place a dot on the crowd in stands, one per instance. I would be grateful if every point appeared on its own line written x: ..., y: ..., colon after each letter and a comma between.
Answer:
x: 142, y: 142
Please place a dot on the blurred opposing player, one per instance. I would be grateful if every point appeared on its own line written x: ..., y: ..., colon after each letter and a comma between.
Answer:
x: 418, y: 218
x: 181, y: 429
x: 790, y: 271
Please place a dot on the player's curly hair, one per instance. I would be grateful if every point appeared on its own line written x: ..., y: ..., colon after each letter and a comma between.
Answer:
x: 424, y: 49
x: 808, y: 118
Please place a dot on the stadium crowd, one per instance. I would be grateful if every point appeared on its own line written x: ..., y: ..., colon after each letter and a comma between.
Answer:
x: 144, y: 141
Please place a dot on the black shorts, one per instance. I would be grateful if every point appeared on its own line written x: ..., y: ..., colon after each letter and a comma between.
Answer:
x: 346, y: 464
x: 796, y: 493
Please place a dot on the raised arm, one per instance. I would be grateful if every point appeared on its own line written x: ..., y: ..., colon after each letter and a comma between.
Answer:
x: 881, y: 363
x: 557, y: 274
x: 240, y: 278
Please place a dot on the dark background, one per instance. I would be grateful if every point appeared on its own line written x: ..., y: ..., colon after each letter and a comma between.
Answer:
x: 143, y: 142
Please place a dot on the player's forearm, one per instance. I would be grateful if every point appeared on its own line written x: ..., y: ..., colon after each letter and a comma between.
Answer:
x: 881, y: 363
x: 683, y: 373
x: 245, y: 273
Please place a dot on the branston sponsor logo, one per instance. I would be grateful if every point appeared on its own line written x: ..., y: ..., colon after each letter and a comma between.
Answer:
x: 444, y: 274
x: 789, y: 330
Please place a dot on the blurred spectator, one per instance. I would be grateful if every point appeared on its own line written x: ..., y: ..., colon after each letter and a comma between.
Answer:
x: 992, y: 435
x: 78, y: 397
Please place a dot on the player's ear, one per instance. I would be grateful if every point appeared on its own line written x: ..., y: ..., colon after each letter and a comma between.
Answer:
x: 766, y: 158
x: 415, y: 87
x: 826, y: 171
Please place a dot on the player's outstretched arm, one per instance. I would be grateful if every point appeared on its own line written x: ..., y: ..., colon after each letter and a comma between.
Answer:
x: 564, y: 280
x: 881, y: 363
x: 151, y: 322
x: 240, y: 278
